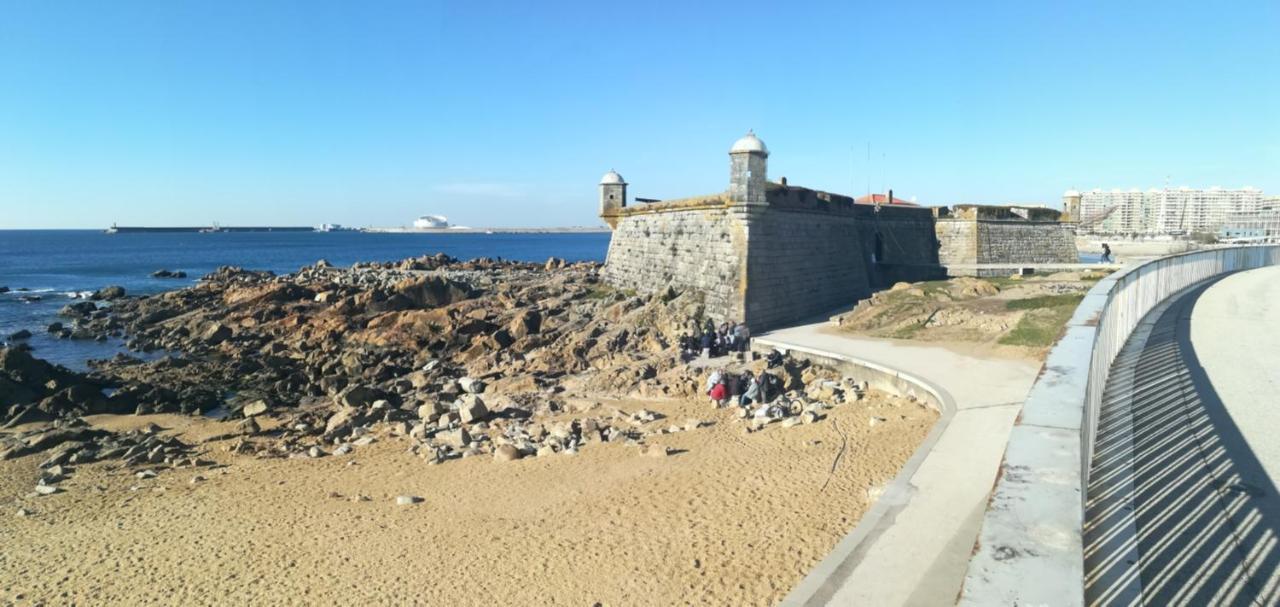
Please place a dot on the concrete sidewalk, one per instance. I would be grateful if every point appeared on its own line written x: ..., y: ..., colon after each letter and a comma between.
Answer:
x: 1235, y: 332
x: 916, y: 552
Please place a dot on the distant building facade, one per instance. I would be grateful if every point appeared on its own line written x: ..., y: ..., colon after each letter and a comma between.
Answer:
x: 1259, y: 225
x: 1159, y: 212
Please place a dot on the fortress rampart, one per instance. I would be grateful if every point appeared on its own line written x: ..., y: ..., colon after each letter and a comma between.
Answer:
x: 772, y: 254
x: 979, y: 234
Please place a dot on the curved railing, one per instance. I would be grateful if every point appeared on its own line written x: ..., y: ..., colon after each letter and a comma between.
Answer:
x: 1030, y: 550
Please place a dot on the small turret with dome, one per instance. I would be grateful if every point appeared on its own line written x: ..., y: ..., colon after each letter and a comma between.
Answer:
x: 613, y: 193
x: 748, y: 169
x: 1071, y: 205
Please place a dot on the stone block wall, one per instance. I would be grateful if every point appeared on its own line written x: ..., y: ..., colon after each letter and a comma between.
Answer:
x: 958, y: 242
x: 968, y: 242
x: 801, y: 264
x: 1026, y: 242
x: 698, y: 248
x: 908, y: 245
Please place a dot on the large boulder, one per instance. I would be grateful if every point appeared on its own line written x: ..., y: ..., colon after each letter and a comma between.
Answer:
x: 432, y: 291
x: 359, y: 396
x: 78, y: 309
x: 527, y: 322
x: 108, y: 293
x: 216, y: 333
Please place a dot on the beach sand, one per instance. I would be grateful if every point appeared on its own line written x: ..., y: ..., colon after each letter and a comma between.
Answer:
x: 731, y: 518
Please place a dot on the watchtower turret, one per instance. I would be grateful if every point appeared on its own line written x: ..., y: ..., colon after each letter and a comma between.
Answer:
x: 748, y: 170
x: 613, y: 195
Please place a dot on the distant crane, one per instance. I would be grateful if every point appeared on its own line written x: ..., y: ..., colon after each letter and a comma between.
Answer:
x: 1097, y: 218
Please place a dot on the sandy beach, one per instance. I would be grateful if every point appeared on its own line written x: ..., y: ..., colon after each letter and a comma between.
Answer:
x: 730, y: 518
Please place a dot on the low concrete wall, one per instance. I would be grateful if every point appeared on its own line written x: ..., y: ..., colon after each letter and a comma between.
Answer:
x: 821, y: 583
x: 1030, y: 550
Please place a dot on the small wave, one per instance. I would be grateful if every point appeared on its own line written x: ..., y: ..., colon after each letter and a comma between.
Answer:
x: 78, y: 294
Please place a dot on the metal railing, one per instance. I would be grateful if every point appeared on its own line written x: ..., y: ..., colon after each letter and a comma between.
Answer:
x: 1031, y: 544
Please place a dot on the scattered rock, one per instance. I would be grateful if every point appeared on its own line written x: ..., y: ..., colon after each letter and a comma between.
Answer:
x: 457, y: 438
x: 257, y: 407
x: 471, y: 386
x: 315, y: 452
x: 655, y: 450
x: 43, y: 489
x: 144, y: 474
x: 407, y: 500
x: 506, y: 453
x: 20, y: 334
x: 471, y: 409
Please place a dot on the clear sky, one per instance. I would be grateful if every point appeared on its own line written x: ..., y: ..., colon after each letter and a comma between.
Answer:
x: 504, y: 114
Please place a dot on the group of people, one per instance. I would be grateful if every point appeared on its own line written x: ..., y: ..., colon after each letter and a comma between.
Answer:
x: 715, y: 341
x: 743, y: 389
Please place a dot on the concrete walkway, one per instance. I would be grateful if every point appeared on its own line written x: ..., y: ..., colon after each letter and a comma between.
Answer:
x: 916, y: 551
x: 1235, y: 332
x: 1182, y: 505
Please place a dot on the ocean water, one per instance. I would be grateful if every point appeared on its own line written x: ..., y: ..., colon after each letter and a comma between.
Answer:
x: 59, y: 265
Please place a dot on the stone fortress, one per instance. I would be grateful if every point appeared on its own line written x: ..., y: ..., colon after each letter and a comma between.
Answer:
x: 769, y: 253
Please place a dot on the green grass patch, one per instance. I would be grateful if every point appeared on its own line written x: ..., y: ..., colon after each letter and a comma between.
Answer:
x: 1044, y: 320
x: 1045, y: 301
x: 600, y: 291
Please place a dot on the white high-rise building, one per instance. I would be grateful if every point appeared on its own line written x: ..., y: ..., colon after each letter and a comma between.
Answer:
x: 1168, y: 211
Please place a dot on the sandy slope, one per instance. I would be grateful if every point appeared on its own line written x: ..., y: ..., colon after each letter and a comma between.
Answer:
x: 735, y: 518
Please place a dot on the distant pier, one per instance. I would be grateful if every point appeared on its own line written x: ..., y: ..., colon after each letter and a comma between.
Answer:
x: 205, y: 229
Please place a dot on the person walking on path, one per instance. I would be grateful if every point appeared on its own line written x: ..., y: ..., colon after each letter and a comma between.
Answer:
x: 1106, y: 253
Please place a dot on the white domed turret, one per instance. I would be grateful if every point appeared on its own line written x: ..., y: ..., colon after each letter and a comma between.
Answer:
x: 613, y: 195
x: 612, y: 178
x: 748, y: 170
x: 749, y: 143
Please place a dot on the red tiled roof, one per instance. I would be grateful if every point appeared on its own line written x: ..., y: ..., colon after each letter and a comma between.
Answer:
x: 884, y: 199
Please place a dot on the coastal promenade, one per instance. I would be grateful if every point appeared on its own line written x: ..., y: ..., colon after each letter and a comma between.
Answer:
x: 1182, y: 503
x: 1141, y: 469
x: 913, y: 546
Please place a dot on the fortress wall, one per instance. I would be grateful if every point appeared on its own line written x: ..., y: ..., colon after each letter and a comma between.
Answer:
x: 801, y: 264
x: 699, y: 248
x: 908, y: 243
x: 1026, y: 242
x: 958, y: 242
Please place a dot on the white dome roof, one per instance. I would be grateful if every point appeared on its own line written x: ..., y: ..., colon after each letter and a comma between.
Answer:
x: 749, y: 143
x: 1071, y: 194
x: 612, y: 178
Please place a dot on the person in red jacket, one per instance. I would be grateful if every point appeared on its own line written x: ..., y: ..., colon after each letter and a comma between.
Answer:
x: 719, y: 394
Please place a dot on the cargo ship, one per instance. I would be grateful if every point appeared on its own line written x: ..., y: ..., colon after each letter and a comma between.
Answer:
x: 212, y: 229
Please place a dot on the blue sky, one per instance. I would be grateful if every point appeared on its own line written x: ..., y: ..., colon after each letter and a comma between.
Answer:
x: 497, y: 114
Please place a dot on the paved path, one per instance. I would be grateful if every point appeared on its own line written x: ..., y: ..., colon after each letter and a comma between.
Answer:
x: 1235, y: 331
x: 1182, y: 505
x: 918, y: 552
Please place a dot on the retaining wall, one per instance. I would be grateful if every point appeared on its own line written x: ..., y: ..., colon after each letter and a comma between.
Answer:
x: 1030, y: 550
